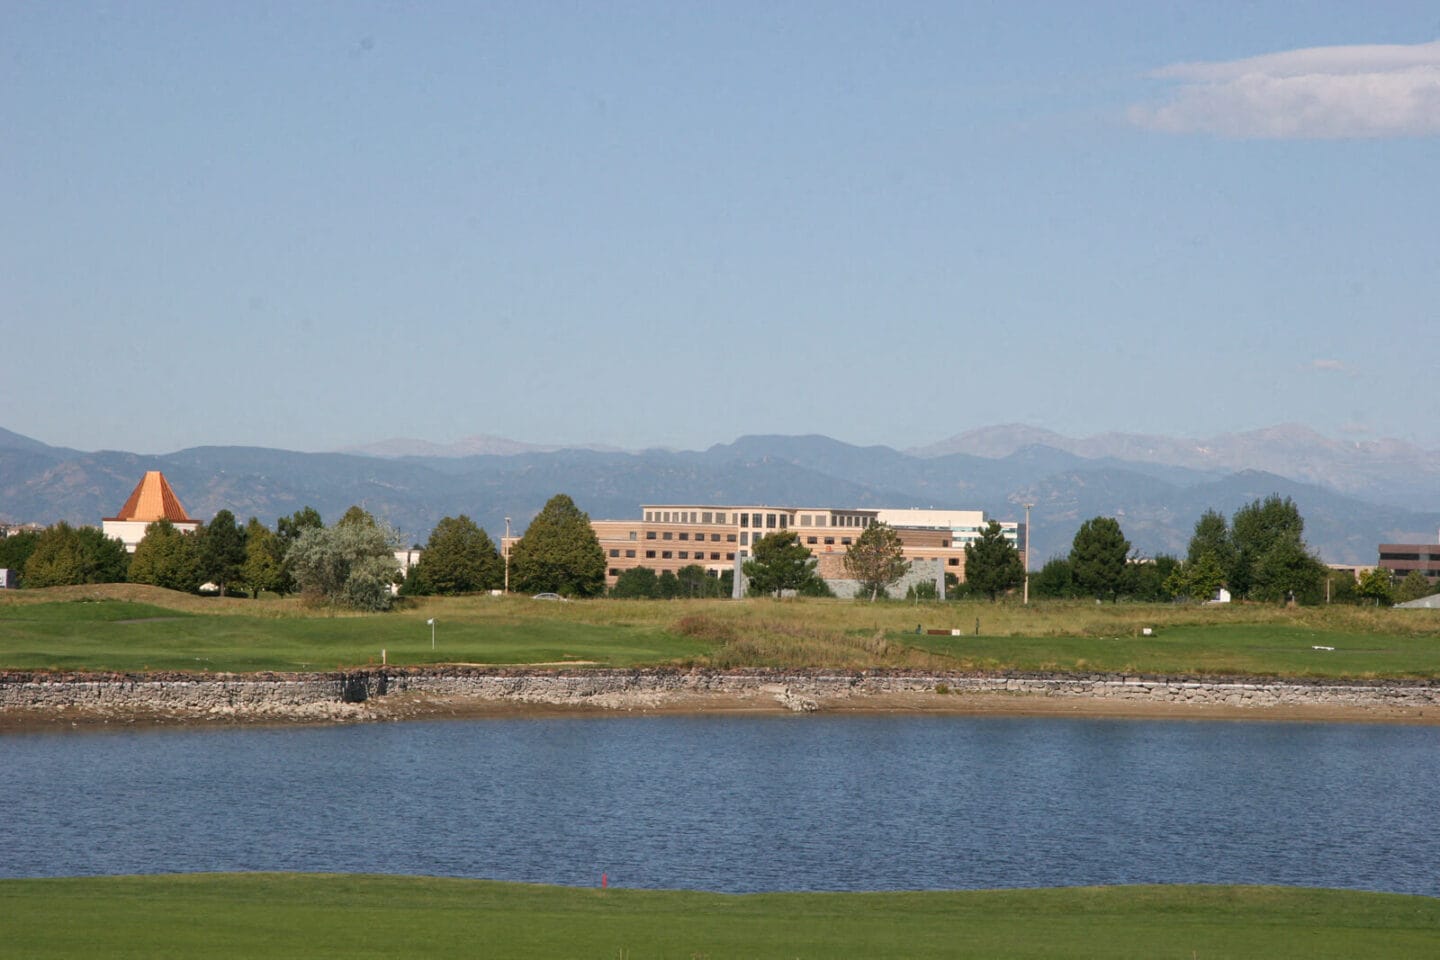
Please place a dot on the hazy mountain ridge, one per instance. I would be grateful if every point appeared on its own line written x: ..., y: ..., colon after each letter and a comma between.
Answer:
x: 1156, y: 502
x: 1385, y: 470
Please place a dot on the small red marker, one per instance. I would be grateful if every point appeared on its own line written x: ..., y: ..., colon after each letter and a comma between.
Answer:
x: 604, y: 880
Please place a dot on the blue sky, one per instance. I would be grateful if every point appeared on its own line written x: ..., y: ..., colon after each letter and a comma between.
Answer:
x: 316, y: 225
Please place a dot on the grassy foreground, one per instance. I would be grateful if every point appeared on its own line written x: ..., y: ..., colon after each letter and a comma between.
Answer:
x: 135, y: 628
x: 308, y: 915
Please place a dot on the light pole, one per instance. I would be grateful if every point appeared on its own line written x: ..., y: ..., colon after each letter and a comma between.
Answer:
x: 1027, y: 507
x: 507, y: 554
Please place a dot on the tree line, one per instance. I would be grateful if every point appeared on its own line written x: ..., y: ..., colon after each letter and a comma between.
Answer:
x: 1258, y: 554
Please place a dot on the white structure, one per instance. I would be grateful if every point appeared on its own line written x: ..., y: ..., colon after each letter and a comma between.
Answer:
x: 965, y: 526
x: 151, y: 500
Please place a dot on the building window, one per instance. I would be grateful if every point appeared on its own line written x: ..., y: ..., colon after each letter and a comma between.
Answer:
x: 684, y: 554
x: 667, y: 535
x: 744, y: 539
x: 614, y: 553
x: 719, y: 518
x: 811, y: 540
x: 729, y: 556
x: 729, y: 538
x: 744, y: 519
x: 714, y: 556
x: 630, y: 554
x: 820, y: 520
x: 664, y: 554
x: 845, y: 541
x: 829, y: 541
x: 649, y: 516
x: 954, y: 561
x: 707, y: 517
x: 684, y: 536
x: 649, y: 534
x: 633, y: 535
x: 649, y: 554
x: 769, y: 521
x: 614, y: 572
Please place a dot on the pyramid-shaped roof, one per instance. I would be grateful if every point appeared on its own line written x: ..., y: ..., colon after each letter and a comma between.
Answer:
x: 151, y: 500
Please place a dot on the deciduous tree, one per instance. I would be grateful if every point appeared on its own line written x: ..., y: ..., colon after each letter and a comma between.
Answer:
x: 1377, y: 586
x: 350, y: 564
x: 992, y: 563
x: 1055, y: 580
x: 559, y: 553
x: 780, y: 562
x: 460, y: 557
x: 637, y: 583
x: 15, y: 550
x: 167, y: 558
x: 876, y: 559
x: 65, y: 555
x: 1415, y: 586
x: 264, y: 567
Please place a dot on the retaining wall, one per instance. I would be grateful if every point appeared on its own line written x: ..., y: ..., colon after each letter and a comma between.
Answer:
x: 346, y: 695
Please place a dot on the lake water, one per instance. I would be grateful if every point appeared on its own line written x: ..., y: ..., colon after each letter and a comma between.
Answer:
x: 740, y: 803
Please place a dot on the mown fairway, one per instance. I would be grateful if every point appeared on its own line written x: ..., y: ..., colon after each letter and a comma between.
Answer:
x: 133, y: 628
x: 285, y: 915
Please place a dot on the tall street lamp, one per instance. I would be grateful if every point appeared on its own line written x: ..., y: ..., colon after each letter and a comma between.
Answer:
x: 507, y: 554
x: 1027, y: 507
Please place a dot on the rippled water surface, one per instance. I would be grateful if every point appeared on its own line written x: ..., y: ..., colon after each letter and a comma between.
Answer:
x: 741, y: 803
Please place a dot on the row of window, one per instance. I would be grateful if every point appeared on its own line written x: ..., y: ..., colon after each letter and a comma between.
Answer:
x: 686, y: 516
x: 685, y: 555
x: 684, y: 535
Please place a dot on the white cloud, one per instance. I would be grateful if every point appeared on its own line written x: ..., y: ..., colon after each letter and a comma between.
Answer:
x: 1334, y: 365
x: 1317, y: 93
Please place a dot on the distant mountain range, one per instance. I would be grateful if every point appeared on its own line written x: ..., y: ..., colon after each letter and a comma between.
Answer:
x: 1353, y: 496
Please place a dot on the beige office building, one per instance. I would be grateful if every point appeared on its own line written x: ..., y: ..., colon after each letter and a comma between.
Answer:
x: 672, y: 536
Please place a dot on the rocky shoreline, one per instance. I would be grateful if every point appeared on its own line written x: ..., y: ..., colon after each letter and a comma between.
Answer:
x: 30, y: 699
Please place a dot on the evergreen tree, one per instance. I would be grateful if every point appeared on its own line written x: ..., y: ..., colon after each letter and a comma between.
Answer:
x: 992, y: 563
x: 222, y: 550
x: 559, y: 553
x: 1097, y: 557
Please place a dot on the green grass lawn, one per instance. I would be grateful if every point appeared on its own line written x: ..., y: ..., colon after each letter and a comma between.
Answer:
x: 134, y: 628
x: 319, y: 916
x: 128, y: 636
x: 1242, y: 649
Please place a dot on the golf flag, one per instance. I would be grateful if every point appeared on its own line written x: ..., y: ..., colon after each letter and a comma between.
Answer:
x: 430, y: 622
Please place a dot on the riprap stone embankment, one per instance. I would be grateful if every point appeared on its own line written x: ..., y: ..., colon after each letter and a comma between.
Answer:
x: 393, y: 693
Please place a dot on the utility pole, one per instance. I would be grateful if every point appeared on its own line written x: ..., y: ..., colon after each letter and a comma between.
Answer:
x: 1027, y: 553
x: 507, y: 554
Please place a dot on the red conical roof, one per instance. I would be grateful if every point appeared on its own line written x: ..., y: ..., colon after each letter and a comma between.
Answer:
x: 153, y: 500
